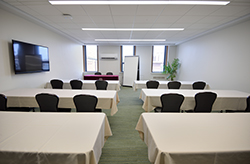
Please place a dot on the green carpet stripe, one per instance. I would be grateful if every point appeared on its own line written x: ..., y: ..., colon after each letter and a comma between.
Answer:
x: 125, y: 146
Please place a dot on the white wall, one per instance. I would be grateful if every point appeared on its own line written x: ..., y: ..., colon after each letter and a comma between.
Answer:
x: 109, y: 65
x: 222, y: 58
x: 65, y: 56
x: 145, y: 56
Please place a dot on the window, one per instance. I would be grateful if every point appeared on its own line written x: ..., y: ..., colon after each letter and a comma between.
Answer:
x: 159, y: 57
x: 91, y: 58
x: 126, y: 50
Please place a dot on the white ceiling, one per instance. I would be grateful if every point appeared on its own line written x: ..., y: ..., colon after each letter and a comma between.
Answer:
x: 196, y: 19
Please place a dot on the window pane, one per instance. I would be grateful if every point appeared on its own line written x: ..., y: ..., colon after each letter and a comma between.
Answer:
x: 91, y: 57
x: 158, y: 58
x: 127, y: 50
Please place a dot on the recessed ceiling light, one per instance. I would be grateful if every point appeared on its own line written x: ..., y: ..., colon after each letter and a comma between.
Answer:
x: 130, y: 40
x: 80, y: 2
x: 133, y: 29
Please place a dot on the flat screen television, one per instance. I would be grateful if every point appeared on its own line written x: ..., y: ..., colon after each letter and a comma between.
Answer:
x: 30, y: 58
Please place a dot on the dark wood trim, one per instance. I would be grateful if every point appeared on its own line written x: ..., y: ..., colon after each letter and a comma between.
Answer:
x: 97, y: 57
x: 120, y: 58
x: 134, y: 50
x: 166, y: 55
x: 84, y: 56
x: 152, y: 56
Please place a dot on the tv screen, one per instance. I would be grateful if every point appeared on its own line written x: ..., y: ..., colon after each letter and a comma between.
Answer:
x: 29, y: 58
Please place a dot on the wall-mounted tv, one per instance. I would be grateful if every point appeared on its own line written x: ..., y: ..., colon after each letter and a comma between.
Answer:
x: 30, y: 58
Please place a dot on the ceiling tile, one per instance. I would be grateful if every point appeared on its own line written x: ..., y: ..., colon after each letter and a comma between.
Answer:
x: 45, y: 9
x: 211, y: 19
x: 123, y: 10
x: 105, y: 25
x: 202, y: 10
x: 189, y: 19
x: 167, y: 19
x: 59, y: 19
x: 142, y: 25
x: 138, y: 34
x: 145, y: 19
x: 86, y: 25
x: 123, y: 25
x: 27, y: 10
x: 68, y: 25
x: 72, y: 10
x: 102, y: 19
x: 229, y: 10
x: 196, y: 19
x: 97, y: 10
x: 163, y: 25
x: 81, y: 19
x: 123, y: 19
x: 150, y: 10
x: 176, y: 9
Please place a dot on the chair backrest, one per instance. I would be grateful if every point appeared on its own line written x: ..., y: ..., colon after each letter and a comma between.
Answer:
x: 98, y: 73
x: 153, y: 84
x: 174, y: 85
x: 204, y: 101
x: 109, y: 73
x: 3, y: 102
x: 85, y: 103
x: 101, y: 84
x: 56, y: 84
x: 199, y: 85
x: 171, y: 102
x: 76, y: 84
x: 248, y: 104
x: 47, y: 102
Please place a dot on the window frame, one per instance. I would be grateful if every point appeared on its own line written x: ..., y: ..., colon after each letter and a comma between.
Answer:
x: 121, y: 56
x: 164, y: 60
x: 85, y: 58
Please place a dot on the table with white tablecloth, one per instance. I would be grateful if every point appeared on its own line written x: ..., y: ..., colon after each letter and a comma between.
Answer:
x: 34, y: 137
x: 89, y: 84
x: 196, y: 138
x: 139, y: 84
x: 107, y: 99
x: 226, y: 99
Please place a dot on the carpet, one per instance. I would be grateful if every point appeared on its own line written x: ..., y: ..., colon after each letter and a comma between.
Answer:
x: 125, y: 146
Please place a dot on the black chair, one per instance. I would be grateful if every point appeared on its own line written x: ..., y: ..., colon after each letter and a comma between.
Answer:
x: 101, y: 84
x: 86, y: 103
x: 152, y: 84
x: 47, y: 102
x: 199, y: 85
x: 76, y: 84
x: 98, y: 73
x: 3, y: 106
x: 170, y: 102
x: 56, y: 84
x: 3, y: 102
x: 241, y: 111
x: 174, y: 85
x: 204, y: 102
x: 109, y: 73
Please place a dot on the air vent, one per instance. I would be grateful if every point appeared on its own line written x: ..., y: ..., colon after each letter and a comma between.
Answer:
x: 109, y: 56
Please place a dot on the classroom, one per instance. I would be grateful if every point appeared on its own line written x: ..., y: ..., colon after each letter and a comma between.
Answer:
x: 216, y: 51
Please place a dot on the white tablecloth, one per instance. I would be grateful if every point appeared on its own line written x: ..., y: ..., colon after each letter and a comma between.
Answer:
x: 196, y: 138
x: 226, y: 99
x: 62, y: 138
x: 107, y: 99
x: 138, y: 84
x: 89, y: 84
